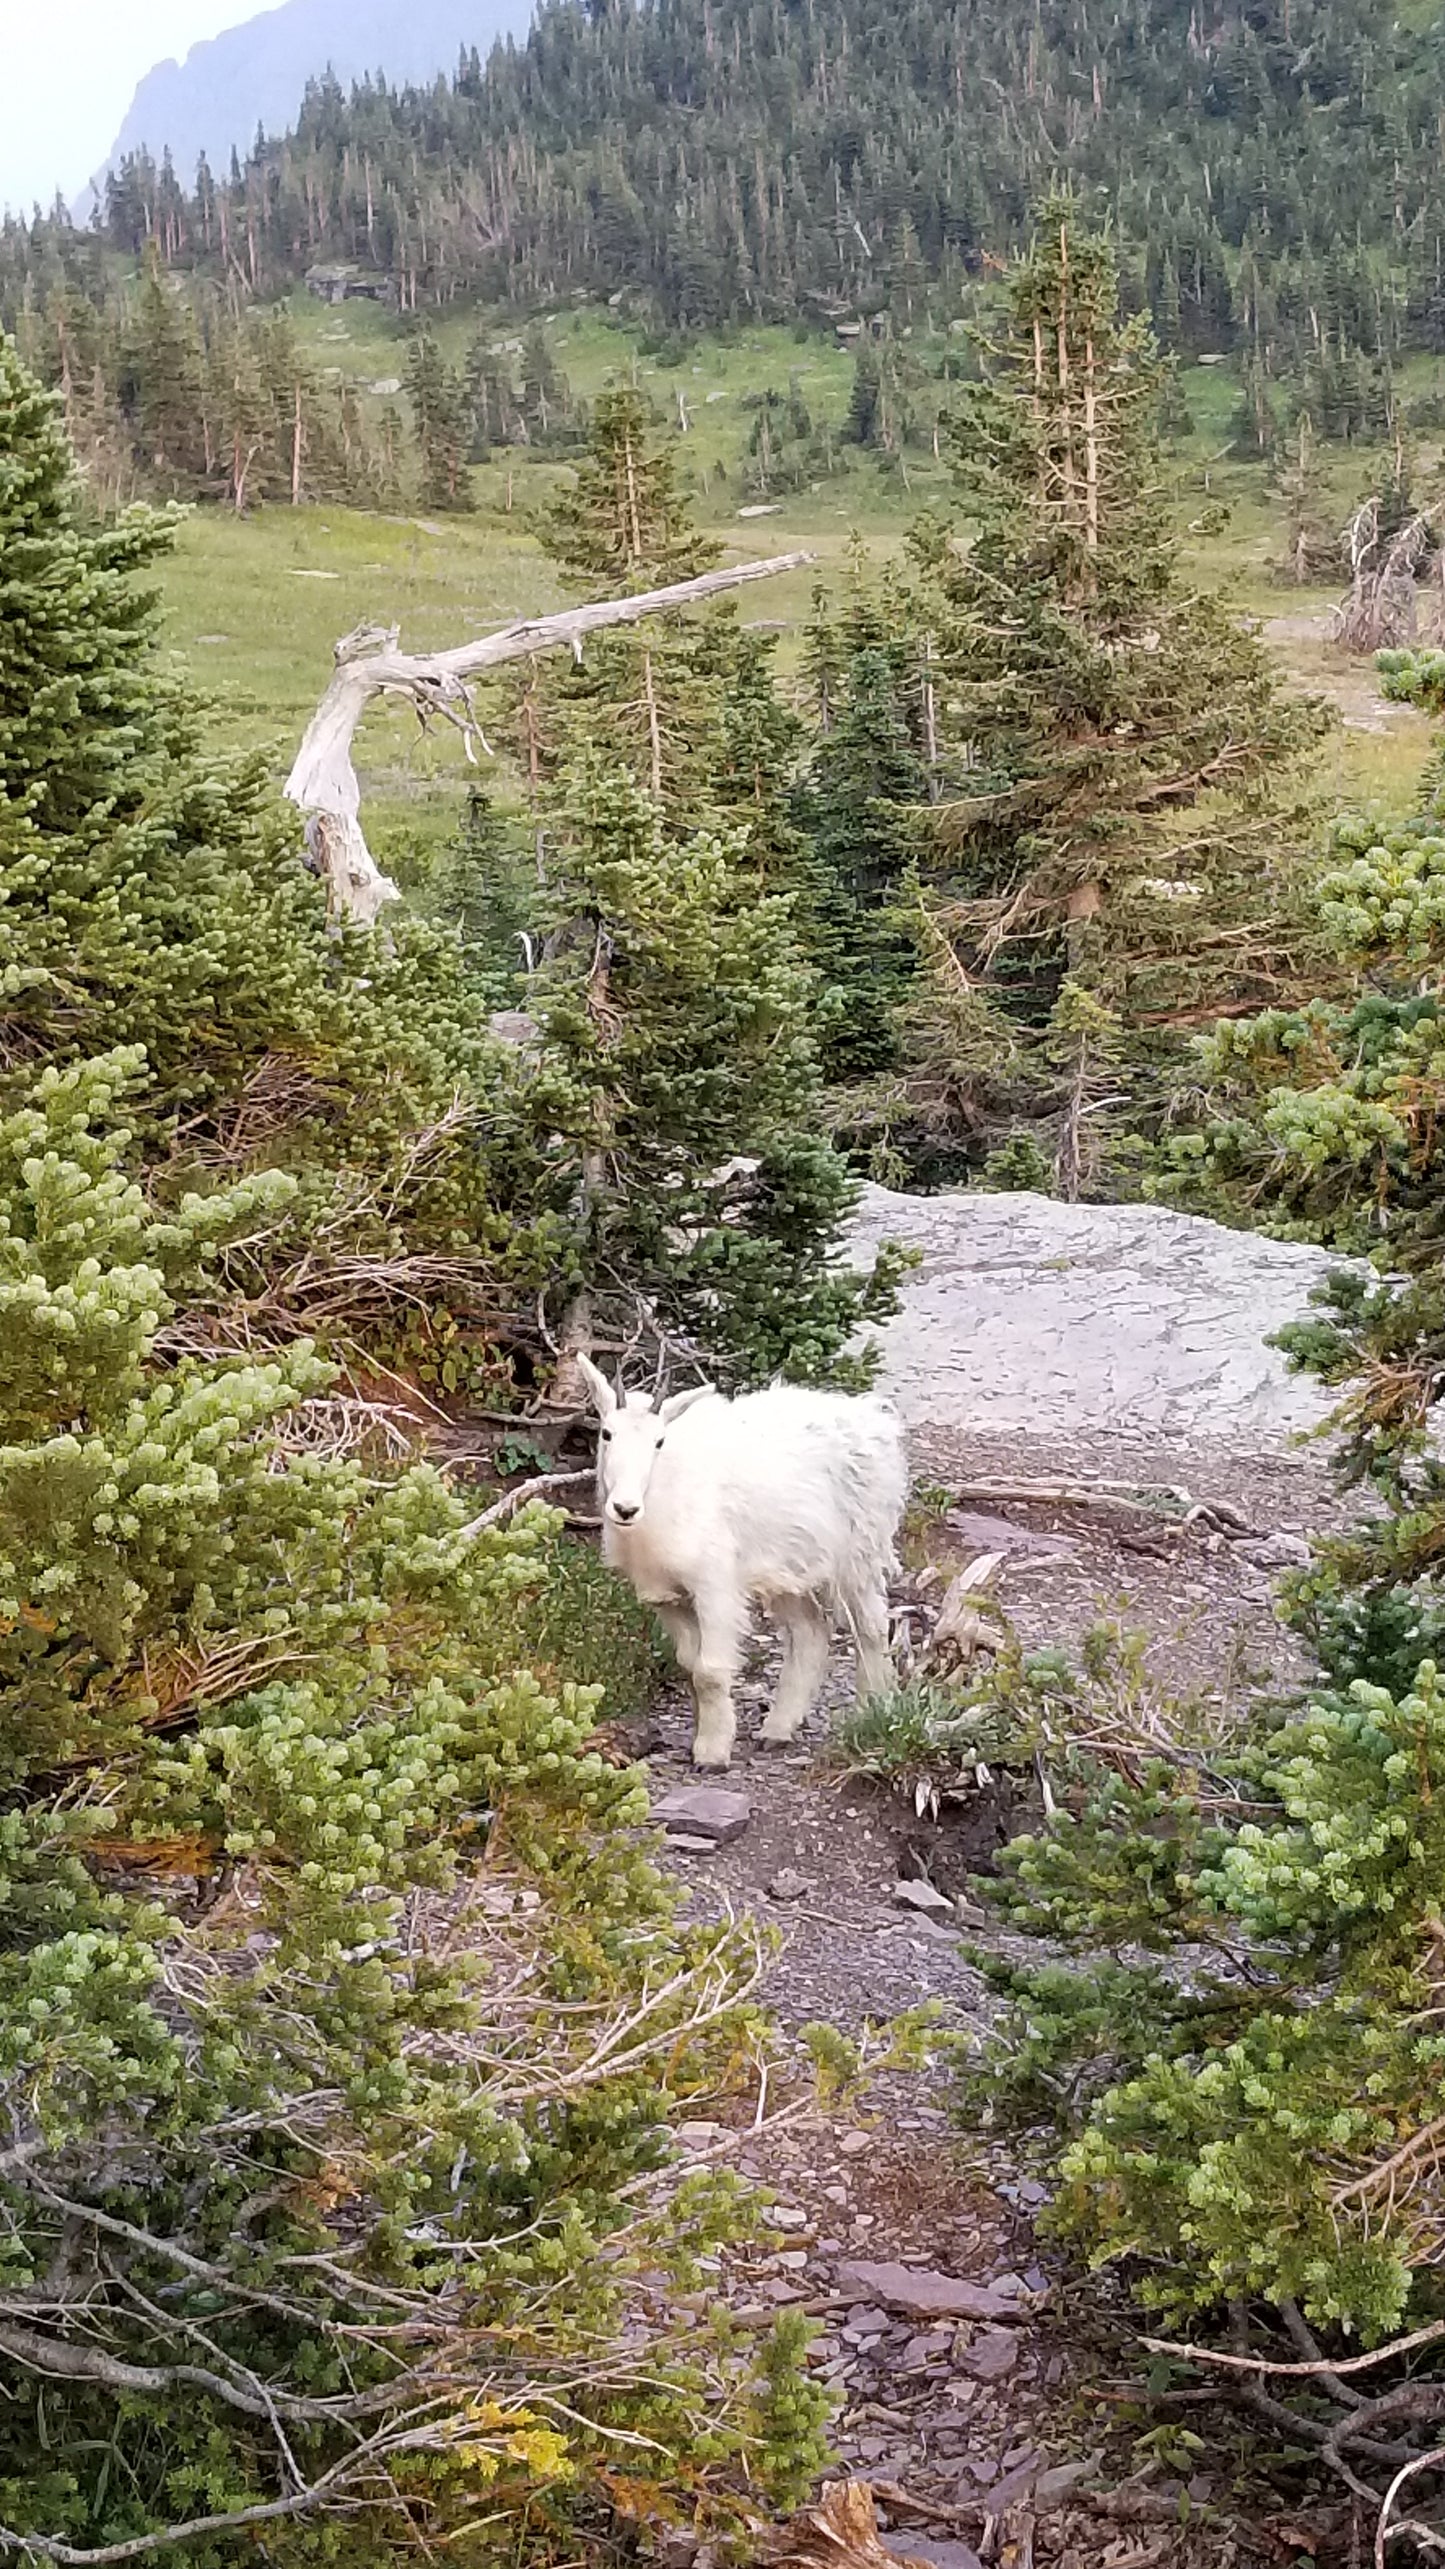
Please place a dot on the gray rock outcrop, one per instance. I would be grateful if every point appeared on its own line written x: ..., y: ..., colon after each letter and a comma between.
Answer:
x: 1031, y: 1315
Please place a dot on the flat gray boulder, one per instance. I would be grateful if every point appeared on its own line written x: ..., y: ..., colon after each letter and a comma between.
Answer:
x: 1041, y: 1317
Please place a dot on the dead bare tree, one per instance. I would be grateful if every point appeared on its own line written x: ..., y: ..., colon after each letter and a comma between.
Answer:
x: 323, y: 782
x: 1381, y: 609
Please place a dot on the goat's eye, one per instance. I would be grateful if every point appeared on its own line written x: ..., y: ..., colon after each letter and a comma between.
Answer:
x: 606, y: 1435
x: 660, y: 1443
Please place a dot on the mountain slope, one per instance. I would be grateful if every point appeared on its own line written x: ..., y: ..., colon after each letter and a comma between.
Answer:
x: 256, y: 74
x: 1275, y: 172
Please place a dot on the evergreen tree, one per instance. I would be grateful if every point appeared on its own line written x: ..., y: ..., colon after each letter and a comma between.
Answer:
x: 623, y: 524
x: 494, y: 412
x: 1313, y: 548
x: 863, y: 425
x: 1254, y: 426
x: 546, y: 396
x: 656, y: 693
x: 864, y: 780
x: 161, y: 384
x: 1112, y: 746
x: 680, y: 1007
x: 439, y: 415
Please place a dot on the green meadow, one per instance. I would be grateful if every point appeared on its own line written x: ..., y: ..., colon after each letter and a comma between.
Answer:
x: 254, y: 605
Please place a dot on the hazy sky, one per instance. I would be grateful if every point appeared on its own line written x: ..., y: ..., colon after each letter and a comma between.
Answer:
x: 68, y: 69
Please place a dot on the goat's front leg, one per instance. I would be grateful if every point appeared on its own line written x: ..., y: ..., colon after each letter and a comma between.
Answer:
x: 680, y: 1625
x: 719, y: 1621
x: 807, y: 1640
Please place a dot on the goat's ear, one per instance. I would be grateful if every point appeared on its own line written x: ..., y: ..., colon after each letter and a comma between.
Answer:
x: 680, y: 1401
x: 604, y: 1398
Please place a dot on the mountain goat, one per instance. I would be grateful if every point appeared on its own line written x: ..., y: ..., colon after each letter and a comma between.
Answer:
x: 786, y: 1499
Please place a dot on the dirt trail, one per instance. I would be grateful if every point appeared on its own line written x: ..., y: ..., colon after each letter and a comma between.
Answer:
x: 978, y: 2421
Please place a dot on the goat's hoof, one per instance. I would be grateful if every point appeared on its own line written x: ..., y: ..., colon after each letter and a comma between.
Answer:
x: 777, y: 1739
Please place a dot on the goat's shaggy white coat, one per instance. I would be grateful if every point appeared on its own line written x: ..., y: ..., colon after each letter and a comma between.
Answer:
x: 785, y: 1499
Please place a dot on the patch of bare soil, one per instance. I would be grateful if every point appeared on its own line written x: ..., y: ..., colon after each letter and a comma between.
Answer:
x: 998, y: 2422
x: 1313, y: 657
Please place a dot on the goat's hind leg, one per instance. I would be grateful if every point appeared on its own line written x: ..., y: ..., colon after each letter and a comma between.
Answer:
x: 868, y: 1615
x: 807, y: 1640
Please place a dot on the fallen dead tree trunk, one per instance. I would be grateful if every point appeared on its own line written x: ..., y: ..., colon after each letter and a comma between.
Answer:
x: 323, y: 782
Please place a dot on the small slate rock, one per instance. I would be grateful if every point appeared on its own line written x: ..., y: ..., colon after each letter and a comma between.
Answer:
x: 704, y: 1811
x: 1017, y: 2484
x: 682, y: 1844
x: 1276, y: 1551
x: 865, y: 2323
x: 788, y: 1885
x: 991, y: 2357
x: 925, y: 1896
x: 925, y: 2294
x: 1009, y: 2287
x: 1000, y: 1534
x: 1052, y: 2487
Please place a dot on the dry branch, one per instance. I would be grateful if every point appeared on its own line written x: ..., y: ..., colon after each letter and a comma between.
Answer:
x: 1159, y: 1500
x: 323, y: 782
x: 539, y: 1488
x: 1429, y: 2336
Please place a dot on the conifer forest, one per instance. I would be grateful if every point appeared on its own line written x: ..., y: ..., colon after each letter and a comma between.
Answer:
x: 425, y: 964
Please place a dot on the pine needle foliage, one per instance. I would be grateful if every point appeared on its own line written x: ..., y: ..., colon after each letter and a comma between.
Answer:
x: 342, y: 2010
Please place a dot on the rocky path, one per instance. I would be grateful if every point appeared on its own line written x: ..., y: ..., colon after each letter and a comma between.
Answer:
x: 1038, y: 1343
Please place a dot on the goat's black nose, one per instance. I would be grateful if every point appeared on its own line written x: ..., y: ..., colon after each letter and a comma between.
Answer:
x: 623, y: 1515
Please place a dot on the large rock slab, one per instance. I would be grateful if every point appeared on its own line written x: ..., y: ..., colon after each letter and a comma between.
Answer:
x: 1041, y: 1317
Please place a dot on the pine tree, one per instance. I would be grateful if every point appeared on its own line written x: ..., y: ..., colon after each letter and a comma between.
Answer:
x: 546, y: 395
x: 1312, y: 546
x: 439, y: 415
x: 681, y: 1007
x: 864, y: 423
x: 655, y: 693
x: 624, y: 524
x: 1254, y: 426
x: 1271, y: 2137
x: 494, y: 411
x: 161, y: 384
x: 1113, y: 746
x: 864, y: 781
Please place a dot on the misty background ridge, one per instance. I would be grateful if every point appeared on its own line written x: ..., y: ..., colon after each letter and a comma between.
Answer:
x: 256, y: 74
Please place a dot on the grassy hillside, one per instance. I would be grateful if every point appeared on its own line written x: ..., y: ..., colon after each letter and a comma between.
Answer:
x: 256, y: 603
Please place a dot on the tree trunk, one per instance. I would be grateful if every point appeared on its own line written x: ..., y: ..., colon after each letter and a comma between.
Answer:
x: 323, y: 781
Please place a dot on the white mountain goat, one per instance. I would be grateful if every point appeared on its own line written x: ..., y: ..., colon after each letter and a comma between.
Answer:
x: 785, y: 1499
